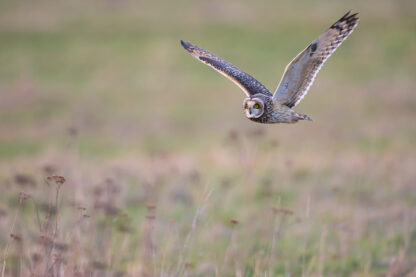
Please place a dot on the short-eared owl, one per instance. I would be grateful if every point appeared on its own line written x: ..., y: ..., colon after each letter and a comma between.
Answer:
x: 260, y: 105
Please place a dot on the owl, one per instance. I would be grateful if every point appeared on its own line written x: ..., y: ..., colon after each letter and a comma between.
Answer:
x: 261, y: 105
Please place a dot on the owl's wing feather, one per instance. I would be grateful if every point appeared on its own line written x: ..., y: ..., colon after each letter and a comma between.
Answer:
x: 301, y: 71
x: 245, y: 81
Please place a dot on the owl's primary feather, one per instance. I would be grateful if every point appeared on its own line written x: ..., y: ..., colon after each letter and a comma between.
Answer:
x: 245, y: 81
x: 301, y: 71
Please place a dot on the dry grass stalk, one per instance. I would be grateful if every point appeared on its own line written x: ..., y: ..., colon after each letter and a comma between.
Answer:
x: 277, y: 230
x: 22, y: 197
x: 49, y: 247
x: 306, y: 221
x: 149, y: 246
x: 230, y: 250
x: 199, y: 212
x: 321, y: 260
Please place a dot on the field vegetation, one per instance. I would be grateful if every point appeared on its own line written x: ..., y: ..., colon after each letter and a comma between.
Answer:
x: 121, y: 155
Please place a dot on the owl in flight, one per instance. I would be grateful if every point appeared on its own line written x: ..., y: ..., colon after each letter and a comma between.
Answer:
x: 262, y: 106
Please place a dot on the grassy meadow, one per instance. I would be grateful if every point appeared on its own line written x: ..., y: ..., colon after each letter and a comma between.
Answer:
x: 162, y: 173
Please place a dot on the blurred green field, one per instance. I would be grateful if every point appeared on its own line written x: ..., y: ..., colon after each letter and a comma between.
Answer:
x: 164, y: 174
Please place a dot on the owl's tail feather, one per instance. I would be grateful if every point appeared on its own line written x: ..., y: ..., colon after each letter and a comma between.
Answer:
x: 304, y: 117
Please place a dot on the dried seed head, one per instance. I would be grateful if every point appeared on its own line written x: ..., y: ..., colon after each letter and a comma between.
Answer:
x: 234, y: 221
x: 59, y: 180
x: 16, y: 237
x: 23, y: 196
x: 282, y: 211
x: 150, y: 207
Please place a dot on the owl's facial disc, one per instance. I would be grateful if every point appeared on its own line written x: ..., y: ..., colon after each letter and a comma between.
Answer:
x: 253, y: 107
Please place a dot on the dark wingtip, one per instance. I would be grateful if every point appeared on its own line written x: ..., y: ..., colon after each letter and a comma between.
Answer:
x: 348, y: 15
x: 350, y: 19
x: 353, y: 18
x: 185, y: 44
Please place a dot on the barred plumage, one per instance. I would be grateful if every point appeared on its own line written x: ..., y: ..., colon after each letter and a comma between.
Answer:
x: 260, y: 105
x: 302, y: 70
x: 245, y: 81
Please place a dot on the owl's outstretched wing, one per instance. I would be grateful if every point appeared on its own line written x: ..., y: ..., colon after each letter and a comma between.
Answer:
x: 301, y: 71
x: 246, y: 82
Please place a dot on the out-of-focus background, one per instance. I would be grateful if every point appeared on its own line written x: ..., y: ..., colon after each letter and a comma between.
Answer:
x: 164, y: 174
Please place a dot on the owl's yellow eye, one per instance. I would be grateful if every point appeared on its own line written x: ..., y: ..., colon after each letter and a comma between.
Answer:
x: 246, y: 107
x: 256, y: 106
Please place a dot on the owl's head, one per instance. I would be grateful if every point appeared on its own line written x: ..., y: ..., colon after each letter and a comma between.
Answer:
x: 253, y: 107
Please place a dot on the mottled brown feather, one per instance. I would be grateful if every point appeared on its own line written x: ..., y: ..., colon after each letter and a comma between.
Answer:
x: 245, y: 81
